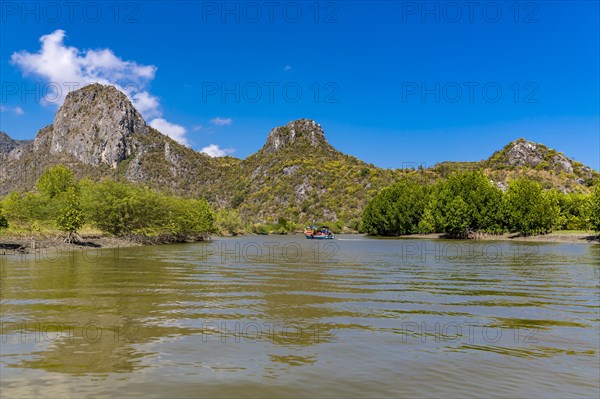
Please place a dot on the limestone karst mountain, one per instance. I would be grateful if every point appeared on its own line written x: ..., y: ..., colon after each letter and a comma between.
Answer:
x: 297, y: 174
x: 96, y: 125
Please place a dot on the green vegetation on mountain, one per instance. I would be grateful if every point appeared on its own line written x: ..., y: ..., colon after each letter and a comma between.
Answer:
x: 297, y: 176
x: 304, y: 181
x: 3, y: 221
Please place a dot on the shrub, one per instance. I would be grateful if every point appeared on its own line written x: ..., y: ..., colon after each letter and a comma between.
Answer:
x: 468, y: 196
x: 70, y: 219
x: 3, y: 221
x: 55, y: 180
x: 125, y: 209
x: 396, y: 210
x: 229, y: 222
x: 527, y: 209
x: 595, y: 209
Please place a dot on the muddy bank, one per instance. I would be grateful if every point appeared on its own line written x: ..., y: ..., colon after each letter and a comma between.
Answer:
x: 10, y: 245
x: 557, y: 237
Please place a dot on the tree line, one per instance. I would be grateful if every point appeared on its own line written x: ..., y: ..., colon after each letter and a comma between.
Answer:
x: 463, y: 205
x: 467, y: 203
x: 120, y: 208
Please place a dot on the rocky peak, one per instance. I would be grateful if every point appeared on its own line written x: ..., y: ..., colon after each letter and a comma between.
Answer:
x: 526, y: 153
x: 13, y: 148
x: 301, y: 131
x: 6, y: 143
x: 95, y: 125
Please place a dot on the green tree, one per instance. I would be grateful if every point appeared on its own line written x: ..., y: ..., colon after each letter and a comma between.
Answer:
x: 571, y: 211
x: 284, y: 226
x: 595, y: 209
x: 554, y: 201
x: 427, y: 223
x: 189, y: 218
x: 457, y: 218
x: 25, y: 209
x: 528, y: 210
x: 3, y: 221
x: 71, y: 218
x: 106, y: 205
x: 55, y: 180
x: 228, y: 221
x: 396, y: 210
x: 480, y: 205
x: 129, y: 210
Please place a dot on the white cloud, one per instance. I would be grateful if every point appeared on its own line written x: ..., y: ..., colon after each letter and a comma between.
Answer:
x: 214, y: 151
x: 175, y: 132
x: 221, y: 121
x: 66, y: 68
x: 146, y: 103
x: 16, y: 110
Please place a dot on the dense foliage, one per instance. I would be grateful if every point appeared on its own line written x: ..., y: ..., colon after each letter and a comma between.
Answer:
x: 573, y: 210
x: 463, y: 204
x: 397, y: 210
x: 229, y: 222
x: 466, y: 203
x: 55, y: 181
x: 306, y: 181
x: 3, y: 221
x: 595, y: 209
x: 528, y: 209
x: 70, y: 218
x: 119, y: 208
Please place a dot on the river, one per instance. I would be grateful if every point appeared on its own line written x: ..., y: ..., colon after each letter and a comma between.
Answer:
x: 282, y: 316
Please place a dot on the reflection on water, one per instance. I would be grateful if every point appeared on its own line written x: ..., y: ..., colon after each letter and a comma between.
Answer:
x: 288, y: 317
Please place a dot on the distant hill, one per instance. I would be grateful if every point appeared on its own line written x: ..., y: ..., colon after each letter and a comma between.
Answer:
x: 550, y: 167
x: 297, y: 174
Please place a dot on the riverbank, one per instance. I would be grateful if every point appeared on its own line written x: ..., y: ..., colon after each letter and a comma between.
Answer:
x: 18, y: 244
x: 570, y: 236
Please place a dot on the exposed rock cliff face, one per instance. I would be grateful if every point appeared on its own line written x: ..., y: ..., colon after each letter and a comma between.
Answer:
x: 98, y: 133
x: 546, y: 165
x: 6, y: 143
x: 297, y: 174
x: 300, y: 132
x: 96, y: 125
x: 12, y: 149
x: 523, y: 153
x: 529, y: 154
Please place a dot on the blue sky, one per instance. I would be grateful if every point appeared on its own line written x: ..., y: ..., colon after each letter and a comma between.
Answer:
x: 393, y: 83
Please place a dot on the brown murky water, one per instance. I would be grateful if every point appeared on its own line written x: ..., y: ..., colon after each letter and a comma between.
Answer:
x: 289, y: 317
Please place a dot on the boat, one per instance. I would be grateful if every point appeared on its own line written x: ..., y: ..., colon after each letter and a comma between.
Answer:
x: 318, y: 233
